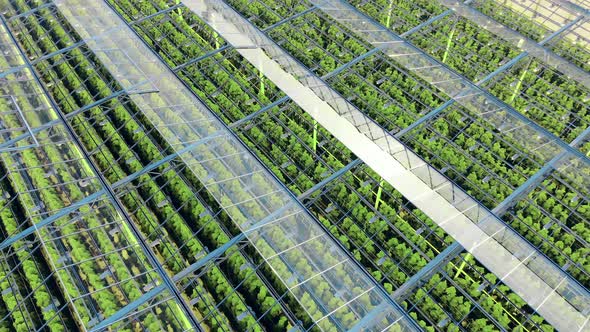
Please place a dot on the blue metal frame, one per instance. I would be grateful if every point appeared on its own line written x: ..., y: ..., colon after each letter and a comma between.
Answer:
x: 47, y: 221
x: 368, y: 318
x: 417, y: 280
x: 536, y: 178
x: 426, y: 272
x: 290, y: 18
x: 210, y: 256
x: 15, y: 69
x: 427, y: 22
x: 329, y: 179
x: 233, y: 125
x: 163, y: 11
x: 152, y: 293
x: 473, y: 86
x: 218, y: 251
x: 486, y: 79
x: 51, y: 219
x: 150, y: 167
x: 199, y: 58
x: 579, y: 139
x: 379, y: 287
x: 283, y: 99
x: 525, y: 119
x: 129, y: 308
x: 575, y: 7
x: 54, y: 122
x: 454, y: 249
x: 560, y: 30
x: 351, y: 63
x: 31, y: 11
x: 264, y: 109
x: 123, y: 312
x: 105, y: 187
x: 425, y: 118
x: 452, y: 101
x: 575, y: 71
x: 502, y: 68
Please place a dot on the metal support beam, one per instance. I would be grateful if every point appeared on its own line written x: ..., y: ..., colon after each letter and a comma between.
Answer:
x: 427, y: 23
x: 430, y: 21
x: 502, y: 68
x: 329, y: 179
x: 201, y: 57
x: 163, y: 11
x: 210, y: 256
x: 15, y: 69
x: 580, y: 138
x: 454, y: 249
x: 51, y: 219
x: 290, y: 18
x: 574, y: 7
x: 351, y: 63
x: 29, y: 12
x: 264, y: 109
x: 425, y: 118
x: 129, y: 308
x: 451, y: 101
x: 166, y: 159
x: 148, y: 168
x: 369, y: 318
x: 422, y: 276
x: 561, y: 30
x: 525, y: 43
x: 486, y: 79
x: 254, y: 61
x: 533, y: 181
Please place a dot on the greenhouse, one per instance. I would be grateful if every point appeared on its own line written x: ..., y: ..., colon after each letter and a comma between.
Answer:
x: 295, y: 165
